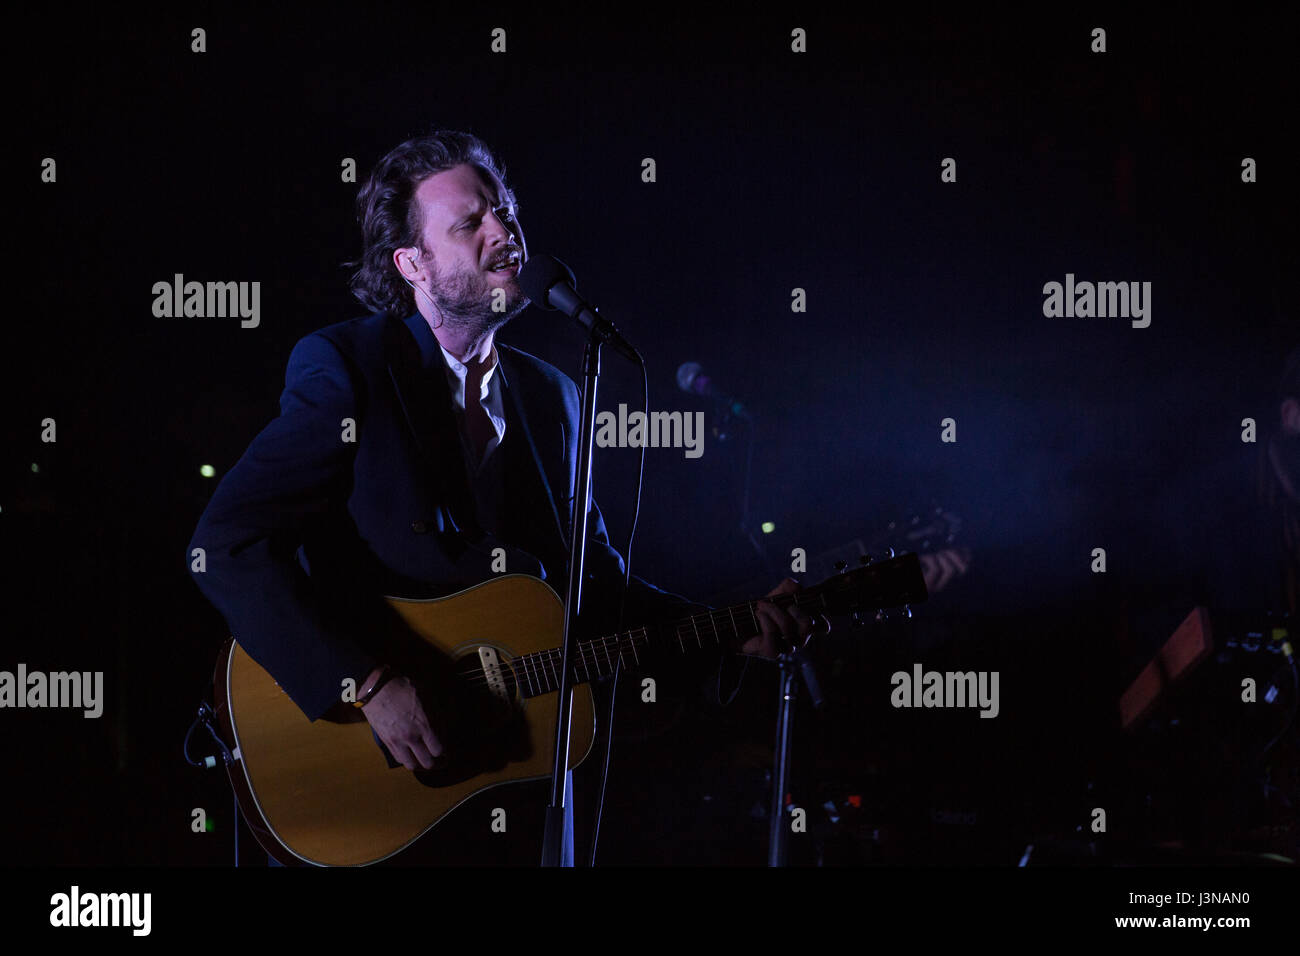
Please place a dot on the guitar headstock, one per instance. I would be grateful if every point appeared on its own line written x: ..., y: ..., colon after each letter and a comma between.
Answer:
x: 875, y: 586
x: 923, y: 531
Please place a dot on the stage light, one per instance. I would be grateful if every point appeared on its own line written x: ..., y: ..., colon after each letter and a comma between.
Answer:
x: 768, y: 527
x: 207, y: 471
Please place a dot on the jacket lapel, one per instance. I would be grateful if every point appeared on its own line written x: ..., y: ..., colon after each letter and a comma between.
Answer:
x: 536, y: 468
x: 425, y: 400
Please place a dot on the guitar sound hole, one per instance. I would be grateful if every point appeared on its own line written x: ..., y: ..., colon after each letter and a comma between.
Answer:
x: 481, y: 720
x: 488, y: 687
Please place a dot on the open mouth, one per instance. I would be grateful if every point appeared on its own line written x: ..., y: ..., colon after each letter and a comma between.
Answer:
x: 506, y: 266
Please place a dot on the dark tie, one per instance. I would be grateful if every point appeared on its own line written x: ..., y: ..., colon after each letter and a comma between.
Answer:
x: 478, y: 425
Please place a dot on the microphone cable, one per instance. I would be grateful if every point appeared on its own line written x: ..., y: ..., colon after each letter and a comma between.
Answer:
x: 622, y: 610
x: 205, y: 717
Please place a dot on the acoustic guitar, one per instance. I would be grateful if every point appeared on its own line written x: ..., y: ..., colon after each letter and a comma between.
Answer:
x: 326, y: 792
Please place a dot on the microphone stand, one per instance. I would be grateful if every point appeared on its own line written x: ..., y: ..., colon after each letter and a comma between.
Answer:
x: 557, y: 833
x: 795, y: 667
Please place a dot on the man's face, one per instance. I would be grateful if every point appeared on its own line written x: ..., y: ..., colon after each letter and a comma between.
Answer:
x: 470, y: 227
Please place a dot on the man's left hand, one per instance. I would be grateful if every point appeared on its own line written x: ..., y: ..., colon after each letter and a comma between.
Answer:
x: 780, y: 627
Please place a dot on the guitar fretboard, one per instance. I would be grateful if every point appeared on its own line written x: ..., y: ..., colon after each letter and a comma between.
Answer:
x: 720, y: 628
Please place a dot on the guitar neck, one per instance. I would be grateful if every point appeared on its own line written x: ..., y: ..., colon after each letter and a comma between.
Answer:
x: 725, y: 628
x: 892, y: 583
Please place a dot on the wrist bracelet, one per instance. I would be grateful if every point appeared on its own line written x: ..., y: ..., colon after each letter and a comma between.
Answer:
x: 380, y: 681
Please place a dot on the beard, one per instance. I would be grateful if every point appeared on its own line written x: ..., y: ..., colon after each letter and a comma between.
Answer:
x: 465, y: 301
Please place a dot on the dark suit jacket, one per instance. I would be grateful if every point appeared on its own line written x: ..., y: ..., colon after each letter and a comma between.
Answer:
x: 307, y: 532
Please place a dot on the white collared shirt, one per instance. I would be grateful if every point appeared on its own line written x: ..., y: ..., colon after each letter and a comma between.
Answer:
x: 489, y: 396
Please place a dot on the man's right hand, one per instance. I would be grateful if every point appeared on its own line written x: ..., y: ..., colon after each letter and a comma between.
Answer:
x: 399, y: 720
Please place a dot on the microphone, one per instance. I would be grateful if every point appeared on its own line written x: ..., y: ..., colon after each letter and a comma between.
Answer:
x: 550, y: 283
x: 690, y: 379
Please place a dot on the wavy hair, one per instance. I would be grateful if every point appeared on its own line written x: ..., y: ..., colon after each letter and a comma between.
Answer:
x: 389, y: 218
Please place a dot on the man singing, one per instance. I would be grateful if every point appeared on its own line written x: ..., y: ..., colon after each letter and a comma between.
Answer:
x: 410, y: 446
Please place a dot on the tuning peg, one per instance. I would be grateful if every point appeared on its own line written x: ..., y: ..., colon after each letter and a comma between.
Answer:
x: 891, y: 614
x: 864, y: 559
x: 858, y: 619
x: 840, y: 566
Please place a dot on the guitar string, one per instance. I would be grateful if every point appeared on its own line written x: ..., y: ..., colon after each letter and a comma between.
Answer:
x: 548, y: 661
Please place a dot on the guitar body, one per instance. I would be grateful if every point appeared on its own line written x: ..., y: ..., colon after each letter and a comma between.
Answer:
x: 486, y: 663
x: 325, y: 793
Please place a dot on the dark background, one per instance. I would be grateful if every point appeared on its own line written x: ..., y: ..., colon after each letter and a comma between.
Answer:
x: 775, y: 171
